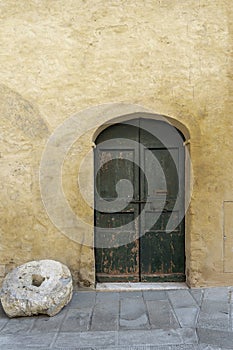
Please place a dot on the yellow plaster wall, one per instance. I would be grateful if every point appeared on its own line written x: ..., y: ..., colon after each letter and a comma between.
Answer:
x: 60, y: 57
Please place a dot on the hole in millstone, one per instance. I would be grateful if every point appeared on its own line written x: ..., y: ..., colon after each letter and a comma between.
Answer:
x: 37, y: 280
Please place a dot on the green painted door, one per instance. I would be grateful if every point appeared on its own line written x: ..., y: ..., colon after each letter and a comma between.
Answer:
x: 139, y: 201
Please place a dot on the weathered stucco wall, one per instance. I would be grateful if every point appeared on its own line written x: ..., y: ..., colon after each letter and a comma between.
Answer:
x: 60, y: 57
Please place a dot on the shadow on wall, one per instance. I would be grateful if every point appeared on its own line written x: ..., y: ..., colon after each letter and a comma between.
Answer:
x: 19, y: 114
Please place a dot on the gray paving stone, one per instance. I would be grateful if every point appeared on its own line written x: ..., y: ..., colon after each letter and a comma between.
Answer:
x: 103, y: 297
x: 131, y: 295
x: 44, y: 323
x: 188, y: 335
x: 27, y: 347
x: 154, y: 295
x: 215, y: 307
x: 181, y: 298
x: 215, y: 337
x: 133, y: 314
x: 18, y: 325
x: 3, y: 322
x: 139, y: 323
x: 231, y: 321
x: 139, y: 347
x: 161, y: 314
x: 214, y: 314
x: 187, y: 316
x: 82, y: 300
x: 82, y: 348
x: 105, y: 313
x: 218, y: 293
x: 149, y: 337
x: 197, y: 294
x: 216, y: 323
x: 27, y: 340
x: 210, y: 347
x: 88, y: 339
x: 76, y: 321
x: 151, y: 347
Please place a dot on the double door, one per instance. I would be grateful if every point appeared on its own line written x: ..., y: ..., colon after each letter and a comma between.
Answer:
x: 139, y: 203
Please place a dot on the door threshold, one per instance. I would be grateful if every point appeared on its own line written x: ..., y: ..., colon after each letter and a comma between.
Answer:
x: 140, y: 286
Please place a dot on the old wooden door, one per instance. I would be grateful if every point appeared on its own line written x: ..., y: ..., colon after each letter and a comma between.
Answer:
x: 139, y: 201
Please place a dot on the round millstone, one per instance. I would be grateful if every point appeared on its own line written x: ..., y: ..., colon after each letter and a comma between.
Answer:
x: 37, y: 287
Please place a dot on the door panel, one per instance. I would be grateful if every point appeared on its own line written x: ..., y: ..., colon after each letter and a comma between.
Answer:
x: 117, y: 182
x: 161, y: 245
x: 139, y: 236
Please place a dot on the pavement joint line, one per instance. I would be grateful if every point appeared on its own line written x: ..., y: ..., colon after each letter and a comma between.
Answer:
x: 59, y: 329
x: 54, y: 340
x: 197, y: 335
x: 230, y: 311
x: 119, y: 314
x: 202, y: 298
x: 147, y: 311
x: 32, y: 325
x: 4, y: 325
x: 198, y: 306
x: 199, y: 313
x: 92, y: 313
x: 117, y: 337
x: 193, y: 298
x: 173, y: 310
x: 197, y: 316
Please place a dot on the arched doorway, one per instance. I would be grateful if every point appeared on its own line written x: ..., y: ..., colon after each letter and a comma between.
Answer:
x: 139, y: 202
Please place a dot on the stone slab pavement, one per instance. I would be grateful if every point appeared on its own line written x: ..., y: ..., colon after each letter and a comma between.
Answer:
x: 185, y: 319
